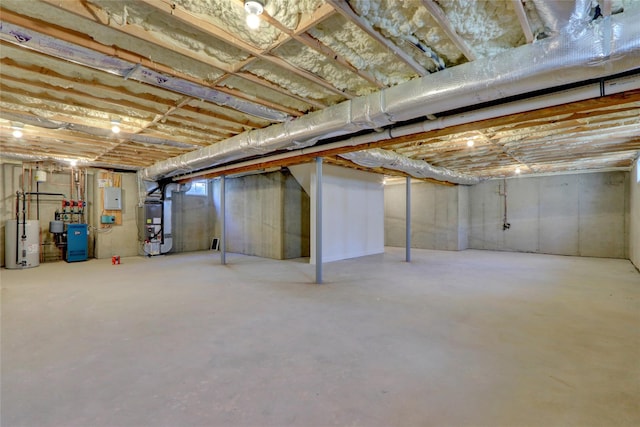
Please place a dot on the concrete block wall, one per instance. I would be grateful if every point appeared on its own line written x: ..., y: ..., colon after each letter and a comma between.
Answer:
x: 266, y: 215
x: 634, y: 217
x: 582, y: 214
x: 439, y: 215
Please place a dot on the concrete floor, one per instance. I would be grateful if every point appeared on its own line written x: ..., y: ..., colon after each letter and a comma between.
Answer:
x: 454, y: 339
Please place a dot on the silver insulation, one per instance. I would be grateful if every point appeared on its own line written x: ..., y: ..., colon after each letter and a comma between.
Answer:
x: 556, y: 15
x: 31, y: 120
x: 377, y: 157
x: 59, y: 159
x: 128, y: 70
x: 569, y: 57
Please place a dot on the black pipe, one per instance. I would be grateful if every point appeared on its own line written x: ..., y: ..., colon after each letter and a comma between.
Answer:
x: 38, y: 200
x: 24, y: 217
x: 31, y: 193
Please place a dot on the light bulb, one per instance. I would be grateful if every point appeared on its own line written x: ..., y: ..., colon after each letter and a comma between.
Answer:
x: 517, y: 170
x: 17, y: 133
x: 253, y: 21
x: 115, y: 129
x: 470, y: 143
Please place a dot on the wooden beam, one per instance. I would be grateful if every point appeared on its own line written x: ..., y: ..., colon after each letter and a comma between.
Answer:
x: 263, y: 82
x: 332, y: 55
x: 224, y: 122
x: 188, y: 19
x: 114, y: 51
x: 518, y: 118
x: 342, y: 7
x: 524, y: 21
x: 395, y: 143
x: 439, y: 16
x: 85, y: 10
x: 316, y: 45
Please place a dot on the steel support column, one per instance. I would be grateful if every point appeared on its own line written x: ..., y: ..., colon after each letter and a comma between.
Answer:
x: 223, y: 232
x: 318, y: 220
x: 408, y: 220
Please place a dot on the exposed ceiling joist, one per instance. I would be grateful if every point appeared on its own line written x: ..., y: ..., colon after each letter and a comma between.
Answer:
x: 444, y: 22
x: 193, y: 21
x: 344, y: 9
x: 524, y: 21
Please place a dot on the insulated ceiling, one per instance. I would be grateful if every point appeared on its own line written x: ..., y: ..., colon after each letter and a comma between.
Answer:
x: 184, y: 75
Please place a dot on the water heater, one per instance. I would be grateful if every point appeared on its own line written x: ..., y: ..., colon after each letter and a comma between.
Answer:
x: 21, y: 244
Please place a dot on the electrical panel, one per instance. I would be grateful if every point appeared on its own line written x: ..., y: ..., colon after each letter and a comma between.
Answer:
x: 112, y: 198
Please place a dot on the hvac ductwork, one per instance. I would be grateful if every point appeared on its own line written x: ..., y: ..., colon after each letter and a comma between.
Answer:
x: 31, y: 120
x: 377, y: 157
x: 571, y: 56
x: 128, y: 70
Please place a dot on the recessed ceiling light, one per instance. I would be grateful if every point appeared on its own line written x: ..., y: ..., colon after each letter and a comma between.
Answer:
x: 17, y: 133
x: 517, y: 170
x: 470, y: 143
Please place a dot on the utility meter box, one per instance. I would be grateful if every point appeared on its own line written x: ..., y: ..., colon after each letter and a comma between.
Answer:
x: 113, y: 198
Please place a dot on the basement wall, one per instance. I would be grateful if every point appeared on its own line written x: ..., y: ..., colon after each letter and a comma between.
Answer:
x: 58, y: 181
x: 119, y: 239
x: 634, y: 220
x: 353, y: 213
x: 439, y: 216
x: 267, y: 215
x: 583, y: 214
x: 193, y: 219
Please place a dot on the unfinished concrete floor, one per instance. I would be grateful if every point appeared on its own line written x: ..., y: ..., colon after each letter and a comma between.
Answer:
x: 454, y: 339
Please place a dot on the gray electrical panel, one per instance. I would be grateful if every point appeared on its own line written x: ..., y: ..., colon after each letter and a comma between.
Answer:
x: 112, y: 198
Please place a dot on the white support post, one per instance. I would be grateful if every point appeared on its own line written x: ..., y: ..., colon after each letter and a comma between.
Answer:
x: 223, y: 233
x: 318, y: 220
x: 408, y: 220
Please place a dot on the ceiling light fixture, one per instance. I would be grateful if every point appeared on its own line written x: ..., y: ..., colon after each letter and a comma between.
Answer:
x: 254, y: 9
x: 518, y: 170
x: 17, y: 130
x: 115, y: 125
x: 470, y: 143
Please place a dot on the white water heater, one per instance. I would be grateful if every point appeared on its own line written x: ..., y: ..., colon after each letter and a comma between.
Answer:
x: 21, y: 244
